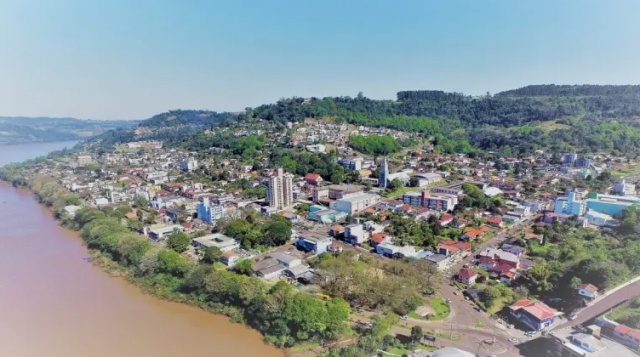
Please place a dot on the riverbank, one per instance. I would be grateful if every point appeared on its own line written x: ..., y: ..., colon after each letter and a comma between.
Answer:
x: 279, y: 312
x: 50, y: 284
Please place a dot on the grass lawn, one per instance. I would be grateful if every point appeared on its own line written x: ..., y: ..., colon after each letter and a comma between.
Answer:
x: 398, y: 192
x: 219, y: 266
x: 440, y: 307
x: 497, y: 306
x: 304, y: 347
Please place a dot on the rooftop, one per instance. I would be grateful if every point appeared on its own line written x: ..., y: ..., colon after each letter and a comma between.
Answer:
x: 589, y: 346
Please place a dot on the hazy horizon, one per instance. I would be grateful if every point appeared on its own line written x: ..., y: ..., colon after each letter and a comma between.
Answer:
x: 132, y: 60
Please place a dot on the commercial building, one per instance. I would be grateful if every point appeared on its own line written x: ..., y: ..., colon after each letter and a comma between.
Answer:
x: 425, y: 179
x: 609, y: 204
x: 218, y: 240
x: 280, y: 190
x: 355, y: 204
x: 570, y: 205
x: 313, y: 242
x: 335, y: 192
x: 162, y: 231
x: 325, y: 215
x: 438, y: 202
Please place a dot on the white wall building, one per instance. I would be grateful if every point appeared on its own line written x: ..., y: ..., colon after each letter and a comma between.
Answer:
x: 280, y: 190
x: 355, y: 204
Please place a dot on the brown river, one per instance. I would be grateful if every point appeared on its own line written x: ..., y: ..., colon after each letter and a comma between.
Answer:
x: 54, y: 303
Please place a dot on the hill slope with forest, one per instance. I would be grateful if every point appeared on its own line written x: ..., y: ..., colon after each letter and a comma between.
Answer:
x: 17, y: 130
x: 587, y: 118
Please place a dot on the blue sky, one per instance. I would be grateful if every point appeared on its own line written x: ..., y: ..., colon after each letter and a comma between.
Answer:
x: 120, y: 59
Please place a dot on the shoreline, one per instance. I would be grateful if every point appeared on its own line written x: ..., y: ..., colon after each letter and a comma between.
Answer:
x: 115, y: 270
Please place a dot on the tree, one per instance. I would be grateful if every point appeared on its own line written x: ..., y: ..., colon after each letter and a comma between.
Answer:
x: 244, y: 267
x: 140, y: 202
x: 278, y: 233
x: 212, y: 255
x: 396, y: 184
x: 416, y: 334
x: 178, y: 241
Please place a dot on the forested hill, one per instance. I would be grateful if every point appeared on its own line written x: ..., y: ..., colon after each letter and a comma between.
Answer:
x: 172, y: 125
x: 587, y: 118
x: 15, y: 130
x: 552, y: 90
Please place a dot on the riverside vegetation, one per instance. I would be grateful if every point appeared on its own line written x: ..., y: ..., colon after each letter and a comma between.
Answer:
x: 284, y: 316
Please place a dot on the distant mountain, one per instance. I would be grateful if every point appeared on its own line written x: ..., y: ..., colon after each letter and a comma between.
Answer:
x: 16, y: 130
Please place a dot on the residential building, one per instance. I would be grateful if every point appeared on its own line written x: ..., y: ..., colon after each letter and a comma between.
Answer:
x: 84, y: 160
x: 313, y: 179
x: 188, y: 164
x: 355, y: 234
x: 218, y: 240
x: 588, y: 291
x: 622, y: 187
x: 313, y: 242
x: 355, y: 204
x: 467, y: 276
x: 209, y: 210
x: 280, y: 190
x: 535, y: 314
x: 268, y: 268
x: 492, y: 258
x: 439, y: 261
x: 454, y: 248
x: 396, y: 251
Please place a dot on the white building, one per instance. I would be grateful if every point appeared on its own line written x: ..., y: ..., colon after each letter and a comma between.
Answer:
x: 280, y: 190
x: 355, y: 204
x: 218, y: 240
x: 623, y: 188
x: 355, y: 233
x: 599, y: 219
x: 188, y: 165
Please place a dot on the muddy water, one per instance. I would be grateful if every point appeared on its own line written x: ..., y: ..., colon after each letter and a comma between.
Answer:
x: 54, y: 303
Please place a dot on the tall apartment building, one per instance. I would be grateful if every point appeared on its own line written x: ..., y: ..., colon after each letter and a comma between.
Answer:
x: 280, y: 190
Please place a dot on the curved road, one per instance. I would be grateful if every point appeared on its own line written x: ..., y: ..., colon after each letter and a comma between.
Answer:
x: 628, y: 292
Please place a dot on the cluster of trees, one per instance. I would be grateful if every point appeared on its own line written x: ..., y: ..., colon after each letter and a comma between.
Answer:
x: 421, y: 233
x: 370, y: 340
x: 304, y: 162
x: 256, y: 232
x: 282, y: 314
x: 628, y: 314
x: 571, y: 255
x: 396, y: 286
x: 475, y: 198
x: 374, y: 144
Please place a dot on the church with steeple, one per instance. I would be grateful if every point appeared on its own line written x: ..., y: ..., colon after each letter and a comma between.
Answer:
x: 383, y: 177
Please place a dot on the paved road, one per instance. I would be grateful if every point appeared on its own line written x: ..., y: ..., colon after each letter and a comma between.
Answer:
x: 602, y: 306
